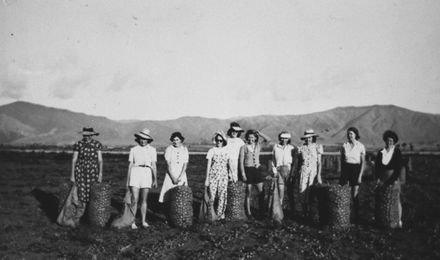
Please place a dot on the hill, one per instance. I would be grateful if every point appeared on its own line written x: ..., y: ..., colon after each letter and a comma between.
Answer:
x: 23, y: 123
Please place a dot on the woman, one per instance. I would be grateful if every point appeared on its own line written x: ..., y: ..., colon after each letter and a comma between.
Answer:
x: 86, y: 164
x: 234, y: 144
x: 176, y: 156
x: 250, y: 166
x: 217, y: 174
x: 388, y: 167
x: 141, y: 172
x: 352, y: 165
x: 309, y: 155
x: 282, y: 161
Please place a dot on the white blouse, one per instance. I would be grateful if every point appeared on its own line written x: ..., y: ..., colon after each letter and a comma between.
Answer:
x: 353, y: 154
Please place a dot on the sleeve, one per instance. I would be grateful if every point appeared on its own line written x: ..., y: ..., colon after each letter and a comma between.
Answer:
x: 362, y: 151
x: 397, y: 165
x: 209, y: 154
x: 154, y: 155
x: 167, y: 154
x: 186, y: 156
x: 320, y: 149
x: 131, y: 156
x: 377, y: 164
x: 76, y: 147
x: 98, y: 146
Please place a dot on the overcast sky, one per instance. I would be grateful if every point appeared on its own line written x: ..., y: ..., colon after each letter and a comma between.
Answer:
x: 167, y: 59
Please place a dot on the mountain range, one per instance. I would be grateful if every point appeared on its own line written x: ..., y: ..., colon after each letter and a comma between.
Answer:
x: 23, y: 123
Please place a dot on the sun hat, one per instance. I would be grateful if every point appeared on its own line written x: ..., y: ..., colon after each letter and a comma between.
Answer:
x: 309, y: 133
x: 222, y: 135
x: 144, y: 134
x: 88, y: 131
x: 235, y: 127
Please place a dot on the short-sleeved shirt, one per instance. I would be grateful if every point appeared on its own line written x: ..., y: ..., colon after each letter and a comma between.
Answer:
x: 177, y: 155
x: 283, y: 155
x: 234, y: 145
x: 353, y: 154
x: 142, y: 155
x: 222, y: 151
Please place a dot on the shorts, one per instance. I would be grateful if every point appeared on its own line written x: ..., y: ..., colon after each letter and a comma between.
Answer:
x: 284, y: 174
x: 350, y: 174
x: 254, y: 175
x: 141, y: 177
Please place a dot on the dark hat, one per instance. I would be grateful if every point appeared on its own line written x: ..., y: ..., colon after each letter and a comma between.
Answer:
x: 88, y: 131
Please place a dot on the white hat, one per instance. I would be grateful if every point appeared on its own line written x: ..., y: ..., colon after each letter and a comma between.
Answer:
x: 236, y: 127
x: 285, y: 135
x: 222, y: 135
x: 144, y: 134
x: 309, y: 133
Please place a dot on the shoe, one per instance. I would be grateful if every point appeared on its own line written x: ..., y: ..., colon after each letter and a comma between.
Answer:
x: 133, y: 226
x: 145, y: 225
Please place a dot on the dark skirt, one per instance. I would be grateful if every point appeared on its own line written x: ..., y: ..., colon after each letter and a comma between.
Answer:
x: 350, y: 174
x: 254, y: 175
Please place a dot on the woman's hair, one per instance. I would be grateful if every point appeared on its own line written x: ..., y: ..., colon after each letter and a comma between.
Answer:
x: 230, y: 130
x: 177, y: 134
x: 138, y: 140
x: 283, y: 132
x: 390, y: 134
x: 355, y: 131
x: 251, y: 132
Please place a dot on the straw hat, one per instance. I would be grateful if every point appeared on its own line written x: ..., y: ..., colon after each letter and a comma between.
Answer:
x: 88, y: 131
x: 144, y: 134
x: 309, y: 133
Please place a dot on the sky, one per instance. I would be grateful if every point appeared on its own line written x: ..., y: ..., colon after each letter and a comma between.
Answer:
x: 157, y: 60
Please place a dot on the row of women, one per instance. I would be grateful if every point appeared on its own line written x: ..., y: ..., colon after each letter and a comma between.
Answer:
x: 231, y: 160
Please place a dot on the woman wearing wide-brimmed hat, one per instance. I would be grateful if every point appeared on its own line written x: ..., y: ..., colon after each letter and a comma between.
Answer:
x: 352, y: 165
x: 86, y: 163
x: 177, y: 157
x: 217, y: 174
x: 234, y: 145
x: 86, y: 170
x: 309, y: 162
x: 141, y: 174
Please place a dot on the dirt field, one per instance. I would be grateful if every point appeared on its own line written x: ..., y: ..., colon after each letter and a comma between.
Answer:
x: 29, y: 185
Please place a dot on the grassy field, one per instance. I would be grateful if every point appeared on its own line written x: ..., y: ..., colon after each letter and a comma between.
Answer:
x: 29, y: 186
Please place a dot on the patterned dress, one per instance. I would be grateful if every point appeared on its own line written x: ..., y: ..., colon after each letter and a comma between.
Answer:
x: 86, y: 167
x: 308, y: 155
x: 218, y: 177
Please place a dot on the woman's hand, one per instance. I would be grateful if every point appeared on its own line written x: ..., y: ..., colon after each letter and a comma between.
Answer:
x: 319, y: 179
x: 155, y: 184
x: 244, y: 177
x: 100, y: 178
x: 207, y: 182
x: 72, y: 178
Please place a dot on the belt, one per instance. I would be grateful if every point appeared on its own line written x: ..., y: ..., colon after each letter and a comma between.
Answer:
x: 142, y: 165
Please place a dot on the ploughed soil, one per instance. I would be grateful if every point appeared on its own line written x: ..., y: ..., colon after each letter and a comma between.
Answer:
x: 30, y: 184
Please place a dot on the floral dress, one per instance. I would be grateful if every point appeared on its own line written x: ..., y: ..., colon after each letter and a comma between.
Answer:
x: 308, y: 155
x: 86, y: 167
x: 218, y: 177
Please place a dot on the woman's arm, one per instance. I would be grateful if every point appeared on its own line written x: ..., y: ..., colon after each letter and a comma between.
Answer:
x: 74, y: 159
x: 362, y: 167
x: 274, y: 163
x: 154, y: 170
x: 241, y: 162
x: 208, y: 169
x: 100, y: 163
x: 173, y: 180
x: 342, y: 157
x: 182, y: 172
x: 265, y: 137
x: 318, y: 175
x: 129, y: 173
